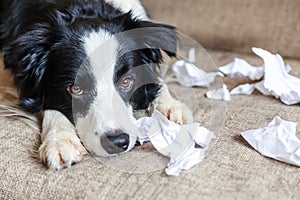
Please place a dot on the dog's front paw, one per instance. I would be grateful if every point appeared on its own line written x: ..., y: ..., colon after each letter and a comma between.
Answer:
x: 61, y: 149
x: 176, y: 111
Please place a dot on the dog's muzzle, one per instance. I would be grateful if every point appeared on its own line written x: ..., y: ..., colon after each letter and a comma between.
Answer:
x: 115, y: 142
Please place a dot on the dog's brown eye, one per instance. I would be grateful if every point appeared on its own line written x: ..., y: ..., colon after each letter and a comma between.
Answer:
x: 75, y: 89
x: 126, y: 84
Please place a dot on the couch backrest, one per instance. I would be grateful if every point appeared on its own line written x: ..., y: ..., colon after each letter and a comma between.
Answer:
x: 235, y: 25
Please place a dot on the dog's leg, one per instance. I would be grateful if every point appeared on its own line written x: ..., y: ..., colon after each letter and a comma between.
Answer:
x: 61, y: 146
x: 173, y: 109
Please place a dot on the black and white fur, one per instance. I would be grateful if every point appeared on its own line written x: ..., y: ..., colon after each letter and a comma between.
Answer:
x: 87, y: 66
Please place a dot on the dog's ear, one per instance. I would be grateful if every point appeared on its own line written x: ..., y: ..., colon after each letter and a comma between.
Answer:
x: 148, y: 37
x: 159, y: 36
x: 26, y: 57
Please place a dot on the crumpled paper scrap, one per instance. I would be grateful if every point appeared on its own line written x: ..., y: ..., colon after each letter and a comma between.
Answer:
x: 219, y: 94
x: 240, y: 68
x: 278, y: 140
x: 175, y: 141
x: 276, y: 78
x: 246, y: 89
x: 189, y: 75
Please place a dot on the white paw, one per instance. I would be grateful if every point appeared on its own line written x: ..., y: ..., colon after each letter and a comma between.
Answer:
x: 61, y: 149
x: 176, y: 111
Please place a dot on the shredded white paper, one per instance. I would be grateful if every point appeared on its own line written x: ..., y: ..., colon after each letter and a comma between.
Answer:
x: 246, y: 89
x: 278, y: 140
x: 276, y: 78
x: 219, y: 94
x: 189, y: 75
x: 175, y: 141
x: 241, y: 68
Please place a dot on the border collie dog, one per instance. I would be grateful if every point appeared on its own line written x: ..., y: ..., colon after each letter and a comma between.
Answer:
x: 88, y: 66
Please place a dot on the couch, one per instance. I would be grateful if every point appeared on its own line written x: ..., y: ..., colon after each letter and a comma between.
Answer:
x: 231, y: 169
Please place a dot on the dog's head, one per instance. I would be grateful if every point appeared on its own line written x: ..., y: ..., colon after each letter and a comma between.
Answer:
x: 97, y: 70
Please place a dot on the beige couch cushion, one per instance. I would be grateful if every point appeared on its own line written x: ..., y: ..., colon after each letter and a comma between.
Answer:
x: 232, y: 170
x: 234, y: 25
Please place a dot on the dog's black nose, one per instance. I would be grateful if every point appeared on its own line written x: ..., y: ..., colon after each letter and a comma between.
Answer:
x: 115, y: 142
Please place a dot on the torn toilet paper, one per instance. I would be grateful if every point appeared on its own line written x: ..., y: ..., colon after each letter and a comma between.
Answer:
x: 219, y: 94
x: 278, y: 140
x: 189, y: 75
x: 240, y: 68
x: 276, y: 78
x: 243, y: 89
x: 175, y: 141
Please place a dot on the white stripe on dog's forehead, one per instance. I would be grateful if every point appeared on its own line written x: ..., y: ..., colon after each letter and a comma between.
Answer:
x: 95, y: 39
x: 108, y: 112
x: 101, y: 49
